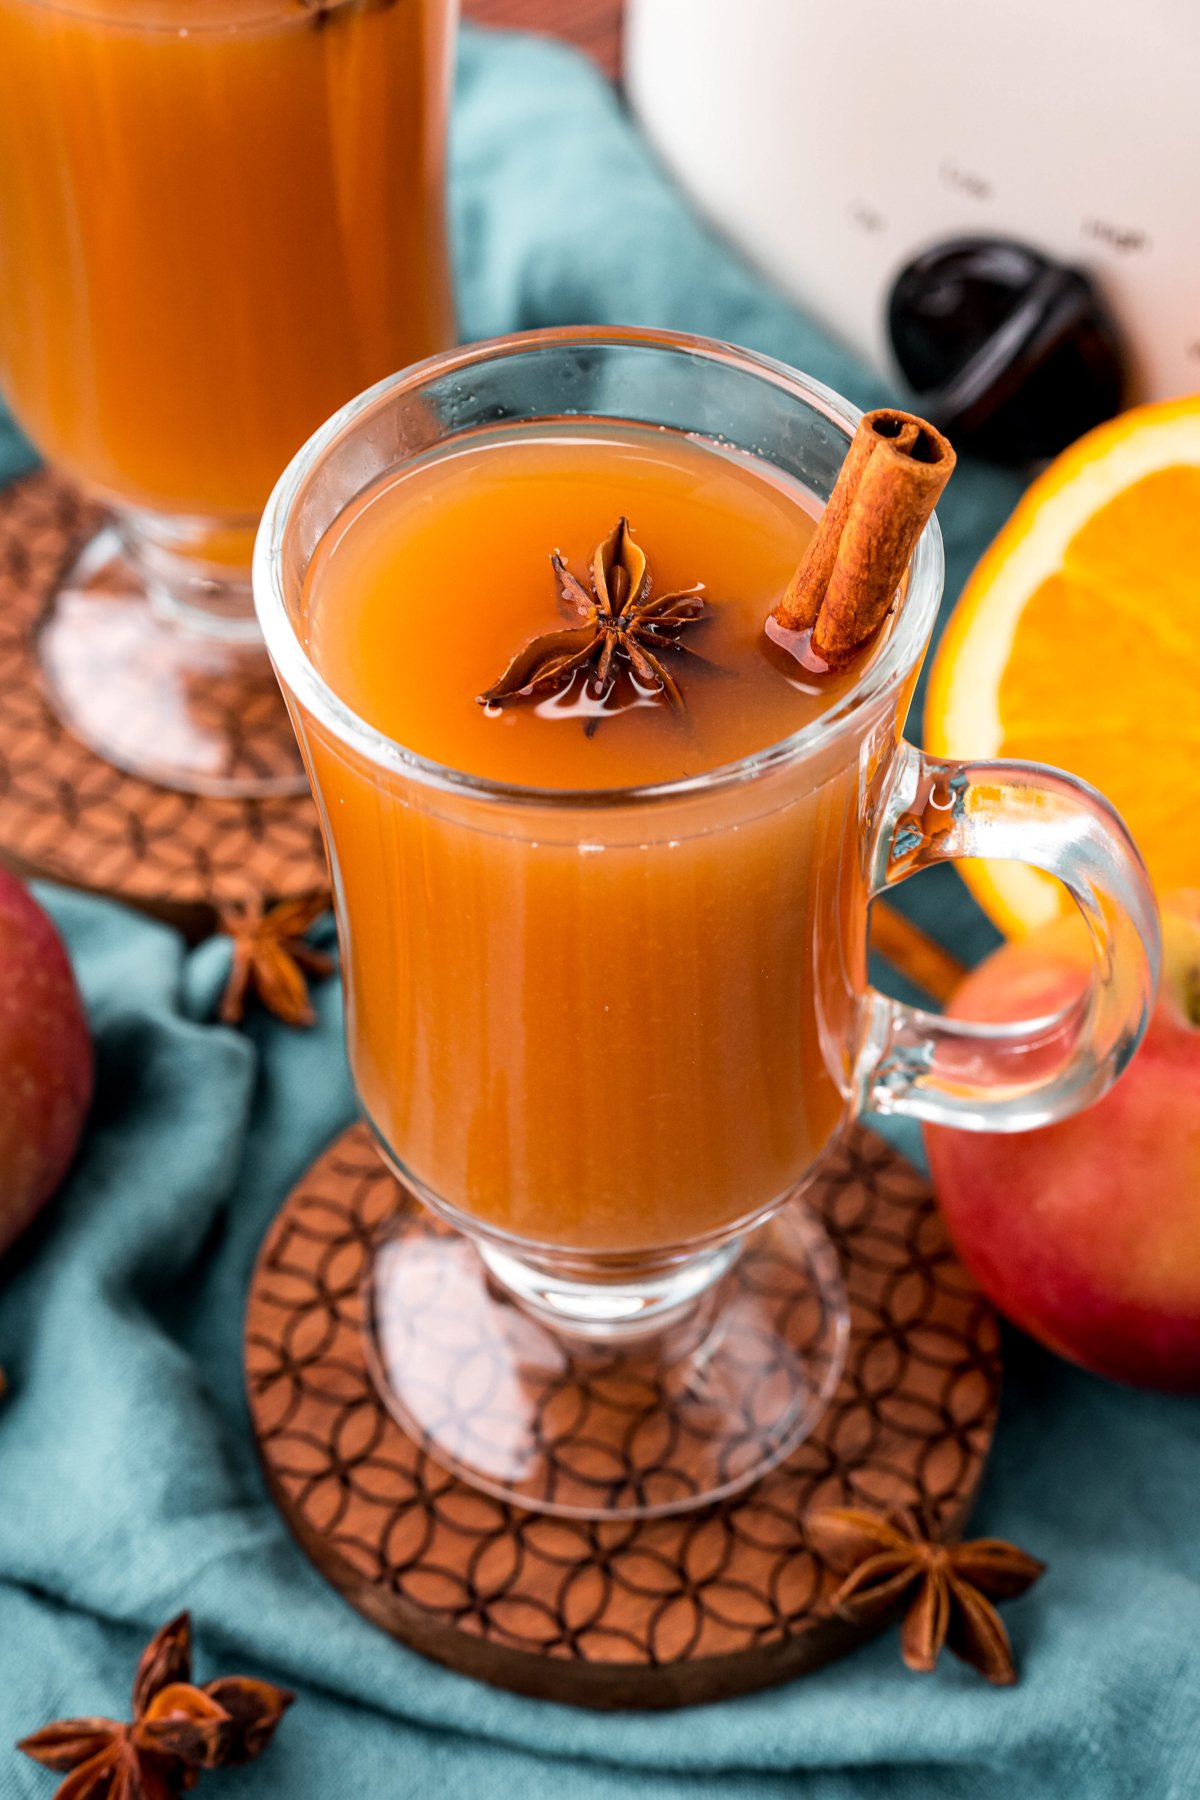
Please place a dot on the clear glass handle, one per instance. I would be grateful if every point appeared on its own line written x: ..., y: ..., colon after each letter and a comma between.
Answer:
x: 1010, y: 1077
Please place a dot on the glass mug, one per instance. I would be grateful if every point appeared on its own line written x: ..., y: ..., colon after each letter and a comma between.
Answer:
x: 607, y: 1038
x: 218, y: 218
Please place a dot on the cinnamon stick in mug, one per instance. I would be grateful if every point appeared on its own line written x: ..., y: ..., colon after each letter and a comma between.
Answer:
x: 889, y: 484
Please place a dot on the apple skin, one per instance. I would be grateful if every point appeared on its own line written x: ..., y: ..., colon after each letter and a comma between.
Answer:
x: 46, y: 1060
x: 1086, y: 1233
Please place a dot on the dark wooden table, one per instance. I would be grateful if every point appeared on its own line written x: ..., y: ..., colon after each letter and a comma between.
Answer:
x: 595, y: 25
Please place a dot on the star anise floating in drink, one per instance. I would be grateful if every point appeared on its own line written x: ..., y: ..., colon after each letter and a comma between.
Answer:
x: 272, y: 957
x: 622, y: 626
x: 892, y: 1565
x: 177, y: 1731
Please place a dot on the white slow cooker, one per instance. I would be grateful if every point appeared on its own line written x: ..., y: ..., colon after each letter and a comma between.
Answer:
x: 833, y: 140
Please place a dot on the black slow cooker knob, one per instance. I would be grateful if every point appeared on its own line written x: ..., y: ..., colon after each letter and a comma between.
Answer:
x: 1010, y: 354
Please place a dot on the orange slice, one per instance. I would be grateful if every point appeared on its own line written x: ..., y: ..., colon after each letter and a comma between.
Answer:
x: 1077, y: 642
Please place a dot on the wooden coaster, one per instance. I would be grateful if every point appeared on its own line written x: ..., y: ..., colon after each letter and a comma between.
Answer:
x: 664, y: 1612
x: 66, y: 814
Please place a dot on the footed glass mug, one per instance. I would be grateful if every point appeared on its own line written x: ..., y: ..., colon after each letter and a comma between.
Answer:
x: 609, y: 1037
x: 217, y: 219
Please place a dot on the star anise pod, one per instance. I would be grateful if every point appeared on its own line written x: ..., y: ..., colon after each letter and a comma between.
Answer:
x: 892, y: 1564
x: 622, y: 625
x: 178, y: 1730
x: 270, y: 956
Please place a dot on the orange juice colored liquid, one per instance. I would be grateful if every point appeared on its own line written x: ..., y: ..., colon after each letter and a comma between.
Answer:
x: 219, y: 219
x: 608, y: 1028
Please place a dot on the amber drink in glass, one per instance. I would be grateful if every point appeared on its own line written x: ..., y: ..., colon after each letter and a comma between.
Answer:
x: 219, y: 219
x: 604, y: 935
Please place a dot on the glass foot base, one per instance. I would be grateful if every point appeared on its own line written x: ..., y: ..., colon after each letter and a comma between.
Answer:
x: 180, y: 692
x: 569, y: 1425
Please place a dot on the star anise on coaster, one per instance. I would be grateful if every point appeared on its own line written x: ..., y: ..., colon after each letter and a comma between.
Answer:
x: 892, y: 1564
x: 271, y: 956
x: 623, y: 627
x: 177, y: 1730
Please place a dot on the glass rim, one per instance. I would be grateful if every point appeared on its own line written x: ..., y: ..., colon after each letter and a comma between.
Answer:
x: 898, y: 654
x: 125, y: 14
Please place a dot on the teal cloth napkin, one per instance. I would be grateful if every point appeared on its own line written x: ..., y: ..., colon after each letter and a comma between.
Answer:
x: 128, y: 1481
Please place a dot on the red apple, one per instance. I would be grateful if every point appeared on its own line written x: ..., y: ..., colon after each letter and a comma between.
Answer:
x: 46, y: 1063
x: 1087, y: 1233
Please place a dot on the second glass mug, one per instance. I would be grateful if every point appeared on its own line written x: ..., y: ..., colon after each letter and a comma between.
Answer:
x: 218, y: 218
x: 608, y: 1038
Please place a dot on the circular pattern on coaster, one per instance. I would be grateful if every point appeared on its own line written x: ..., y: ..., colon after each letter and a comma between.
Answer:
x: 657, y: 1612
x: 66, y: 814
x: 494, y: 1394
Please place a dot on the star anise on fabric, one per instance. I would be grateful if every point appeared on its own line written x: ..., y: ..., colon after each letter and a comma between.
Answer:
x: 892, y: 1564
x: 177, y: 1731
x: 622, y: 628
x: 272, y: 958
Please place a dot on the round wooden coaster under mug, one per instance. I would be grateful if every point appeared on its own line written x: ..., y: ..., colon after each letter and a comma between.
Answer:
x: 68, y: 815
x: 651, y: 1612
